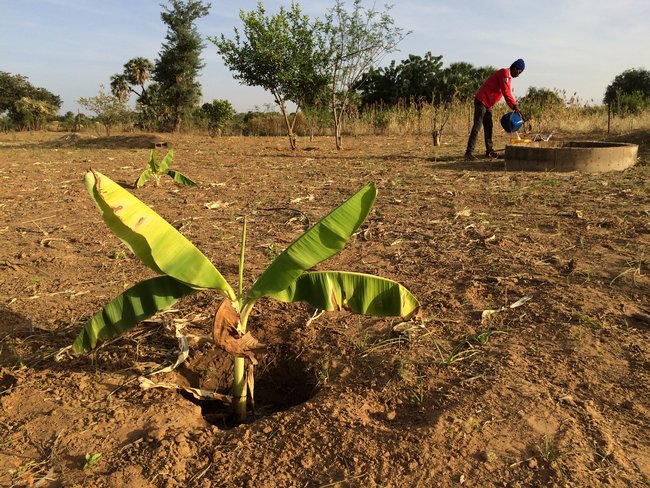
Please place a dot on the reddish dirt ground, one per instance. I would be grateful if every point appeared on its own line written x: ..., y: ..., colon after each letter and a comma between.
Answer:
x: 553, y: 392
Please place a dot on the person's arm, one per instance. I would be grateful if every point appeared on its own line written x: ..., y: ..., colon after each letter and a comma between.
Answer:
x: 507, y: 94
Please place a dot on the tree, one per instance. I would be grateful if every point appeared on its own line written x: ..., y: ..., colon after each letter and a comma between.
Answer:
x: 629, y: 93
x: 443, y: 94
x: 110, y: 110
x: 381, y: 85
x: 26, y: 106
x: 217, y: 113
x: 458, y: 82
x: 417, y: 77
x: 179, y: 63
x: 409, y: 81
x: 466, y: 79
x: 137, y: 72
x: 31, y: 113
x: 282, y: 53
x: 12, y: 89
x: 541, y: 103
x: 417, y: 80
x: 357, y: 41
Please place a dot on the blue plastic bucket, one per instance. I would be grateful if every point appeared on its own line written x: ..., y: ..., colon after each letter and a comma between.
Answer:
x: 511, y: 122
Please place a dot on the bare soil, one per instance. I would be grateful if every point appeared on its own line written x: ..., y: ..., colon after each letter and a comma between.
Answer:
x: 553, y: 392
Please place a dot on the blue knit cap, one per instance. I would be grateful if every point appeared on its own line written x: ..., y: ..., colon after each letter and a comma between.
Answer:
x: 519, y: 64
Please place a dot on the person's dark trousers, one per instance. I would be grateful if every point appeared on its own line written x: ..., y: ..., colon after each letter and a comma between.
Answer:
x: 482, y: 117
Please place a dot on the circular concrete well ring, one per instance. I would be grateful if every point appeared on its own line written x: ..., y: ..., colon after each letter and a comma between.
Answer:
x: 585, y: 156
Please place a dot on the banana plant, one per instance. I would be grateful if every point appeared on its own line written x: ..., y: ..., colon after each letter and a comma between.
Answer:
x: 155, y: 170
x: 183, y: 270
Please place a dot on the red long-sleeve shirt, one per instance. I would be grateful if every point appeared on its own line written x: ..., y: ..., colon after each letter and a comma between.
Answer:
x: 496, y: 86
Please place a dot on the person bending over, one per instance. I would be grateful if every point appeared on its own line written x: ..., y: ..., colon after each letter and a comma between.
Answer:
x: 496, y: 86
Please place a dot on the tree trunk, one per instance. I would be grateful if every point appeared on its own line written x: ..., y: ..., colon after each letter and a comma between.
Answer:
x: 338, y: 129
x: 337, y: 115
x: 292, y: 136
x: 437, y: 135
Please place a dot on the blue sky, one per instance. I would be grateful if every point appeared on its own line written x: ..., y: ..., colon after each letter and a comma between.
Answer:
x: 71, y: 47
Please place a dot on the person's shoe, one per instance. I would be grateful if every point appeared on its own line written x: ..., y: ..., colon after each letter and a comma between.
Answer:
x: 492, y: 154
x: 469, y: 157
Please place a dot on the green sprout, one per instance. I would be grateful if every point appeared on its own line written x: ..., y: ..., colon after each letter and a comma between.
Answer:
x: 91, y: 459
x: 155, y: 170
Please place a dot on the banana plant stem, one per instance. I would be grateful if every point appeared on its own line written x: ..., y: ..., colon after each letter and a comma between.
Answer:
x: 239, y: 389
x: 239, y: 370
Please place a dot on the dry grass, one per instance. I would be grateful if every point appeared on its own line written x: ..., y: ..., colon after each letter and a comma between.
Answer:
x: 574, y: 118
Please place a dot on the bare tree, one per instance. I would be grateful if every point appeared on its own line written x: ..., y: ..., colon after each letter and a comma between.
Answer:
x: 357, y: 41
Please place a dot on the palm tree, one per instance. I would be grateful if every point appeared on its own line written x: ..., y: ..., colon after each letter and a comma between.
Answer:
x: 120, y: 87
x: 138, y: 70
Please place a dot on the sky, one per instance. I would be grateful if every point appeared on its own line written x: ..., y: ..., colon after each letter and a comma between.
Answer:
x: 72, y: 47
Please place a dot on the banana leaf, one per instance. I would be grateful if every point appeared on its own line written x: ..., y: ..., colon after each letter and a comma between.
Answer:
x: 180, y: 178
x: 128, y: 309
x: 144, y: 177
x: 357, y: 292
x: 151, y: 238
x: 164, y: 164
x: 324, y: 240
x: 153, y: 165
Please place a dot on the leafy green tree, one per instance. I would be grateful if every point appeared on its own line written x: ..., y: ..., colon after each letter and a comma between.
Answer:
x: 282, y: 53
x: 12, y: 88
x: 109, y: 109
x: 180, y: 62
x: 381, y: 85
x: 26, y: 106
x: 31, y: 113
x: 629, y: 93
x: 458, y: 82
x: 416, y: 79
x: 541, y: 105
x: 356, y: 40
x: 466, y: 79
x: 410, y: 81
x: 68, y: 121
x: 15, y: 87
x: 154, y: 113
x: 218, y: 113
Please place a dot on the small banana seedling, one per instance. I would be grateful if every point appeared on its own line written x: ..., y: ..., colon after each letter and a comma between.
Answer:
x: 183, y: 270
x: 155, y: 170
x: 91, y: 459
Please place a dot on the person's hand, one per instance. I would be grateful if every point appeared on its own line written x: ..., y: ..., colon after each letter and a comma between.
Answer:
x: 518, y: 112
